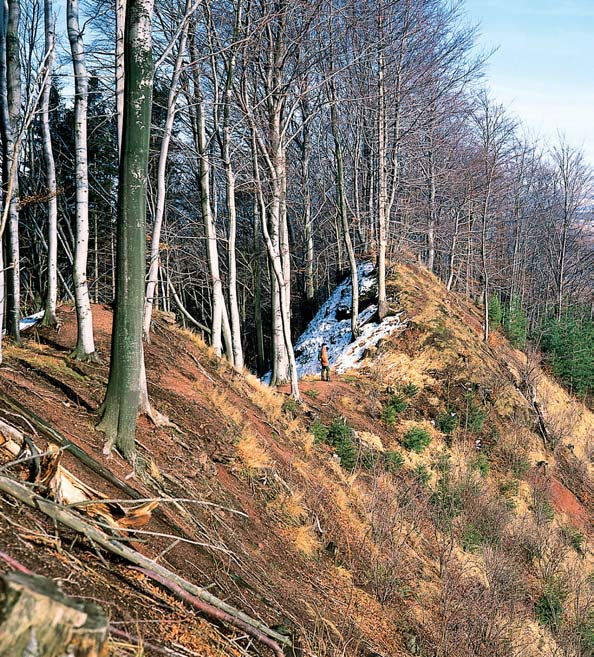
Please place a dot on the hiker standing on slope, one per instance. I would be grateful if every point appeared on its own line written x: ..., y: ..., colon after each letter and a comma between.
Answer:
x: 324, y: 362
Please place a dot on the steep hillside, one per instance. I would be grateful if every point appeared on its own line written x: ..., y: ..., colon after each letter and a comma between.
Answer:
x: 363, y: 522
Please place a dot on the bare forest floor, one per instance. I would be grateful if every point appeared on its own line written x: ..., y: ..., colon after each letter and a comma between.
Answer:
x: 276, y: 526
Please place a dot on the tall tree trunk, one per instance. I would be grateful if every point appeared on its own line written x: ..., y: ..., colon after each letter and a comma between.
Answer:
x: 85, y: 346
x: 218, y: 299
x: 261, y: 360
x: 235, y: 322
x: 153, y: 273
x: 119, y: 67
x: 51, y: 299
x: 11, y: 114
x: 120, y: 407
x: 342, y: 209
x: 431, y: 211
x: 382, y: 173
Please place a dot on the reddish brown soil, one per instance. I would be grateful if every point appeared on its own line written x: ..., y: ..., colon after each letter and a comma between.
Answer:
x: 567, y: 503
x: 258, y: 568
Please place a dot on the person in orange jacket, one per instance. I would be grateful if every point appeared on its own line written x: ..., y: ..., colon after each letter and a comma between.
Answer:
x: 325, y: 363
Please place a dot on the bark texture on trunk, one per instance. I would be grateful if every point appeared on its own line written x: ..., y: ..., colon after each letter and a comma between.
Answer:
x: 85, y: 345
x: 10, y: 91
x: 218, y: 299
x: 120, y: 407
x: 235, y: 322
x: 153, y: 273
x: 342, y: 209
x: 51, y: 299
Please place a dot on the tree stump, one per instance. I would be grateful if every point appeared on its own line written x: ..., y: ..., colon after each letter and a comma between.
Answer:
x: 38, y: 620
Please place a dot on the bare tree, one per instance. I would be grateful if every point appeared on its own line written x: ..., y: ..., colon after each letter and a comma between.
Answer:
x: 85, y: 346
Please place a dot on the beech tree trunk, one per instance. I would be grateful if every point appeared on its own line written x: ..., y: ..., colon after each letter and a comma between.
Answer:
x: 51, y: 299
x: 119, y: 67
x: 10, y: 91
x: 120, y: 407
x: 342, y: 209
x: 85, y: 345
x: 153, y: 273
x: 235, y: 322
x: 38, y: 620
x: 382, y: 173
x: 218, y: 299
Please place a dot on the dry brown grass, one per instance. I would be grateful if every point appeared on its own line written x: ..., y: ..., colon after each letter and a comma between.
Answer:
x: 305, y: 540
x: 251, y: 452
x: 225, y: 406
x: 265, y: 398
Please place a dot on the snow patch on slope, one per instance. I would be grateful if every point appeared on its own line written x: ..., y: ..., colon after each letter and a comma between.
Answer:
x: 27, y: 322
x: 332, y: 325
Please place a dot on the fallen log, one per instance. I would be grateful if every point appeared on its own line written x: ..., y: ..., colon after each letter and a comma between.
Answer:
x: 38, y: 620
x: 69, y: 519
x: 65, y: 488
x: 59, y: 439
x: 213, y: 612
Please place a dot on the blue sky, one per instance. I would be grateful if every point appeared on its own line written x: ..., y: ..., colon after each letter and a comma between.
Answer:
x: 543, y: 69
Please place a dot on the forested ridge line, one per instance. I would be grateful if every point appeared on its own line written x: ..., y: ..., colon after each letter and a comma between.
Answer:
x: 285, y: 142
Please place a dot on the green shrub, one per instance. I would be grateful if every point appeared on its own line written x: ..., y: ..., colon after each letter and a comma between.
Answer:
x: 520, y: 466
x: 447, y: 422
x: 340, y: 436
x: 574, y: 538
x: 549, y: 607
x: 290, y: 407
x: 369, y: 459
x: 409, y: 390
x: 509, y: 487
x: 392, y: 408
x: 480, y: 463
x: 569, y: 345
x: 421, y: 474
x: 471, y: 538
x: 475, y: 416
x: 416, y: 439
x: 312, y: 392
x: 515, y: 323
x: 319, y: 431
x: 495, y: 311
x: 392, y: 460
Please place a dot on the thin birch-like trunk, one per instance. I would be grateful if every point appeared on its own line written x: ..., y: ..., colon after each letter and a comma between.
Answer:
x: 51, y: 299
x: 11, y: 114
x: 342, y: 209
x: 85, y: 346
x: 235, y: 322
x: 382, y: 184
x: 153, y: 273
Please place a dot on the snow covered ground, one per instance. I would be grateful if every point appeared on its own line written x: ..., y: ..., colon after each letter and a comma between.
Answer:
x: 332, y: 325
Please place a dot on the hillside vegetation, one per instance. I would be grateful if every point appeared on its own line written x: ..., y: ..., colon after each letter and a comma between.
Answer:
x: 437, y: 500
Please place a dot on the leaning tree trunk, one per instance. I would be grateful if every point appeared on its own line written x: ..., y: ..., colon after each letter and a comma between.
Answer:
x: 10, y: 91
x: 51, y: 299
x: 85, y: 345
x: 120, y: 407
